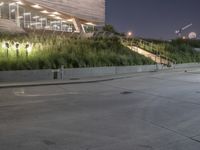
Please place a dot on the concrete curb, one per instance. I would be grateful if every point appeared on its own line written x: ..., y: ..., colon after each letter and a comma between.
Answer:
x: 60, y: 82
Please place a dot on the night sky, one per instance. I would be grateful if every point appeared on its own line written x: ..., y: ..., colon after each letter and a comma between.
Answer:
x: 153, y: 18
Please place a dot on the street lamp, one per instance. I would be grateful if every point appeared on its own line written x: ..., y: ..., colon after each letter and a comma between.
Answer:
x: 6, y: 46
x: 28, y: 47
x: 17, y: 49
x: 129, y: 34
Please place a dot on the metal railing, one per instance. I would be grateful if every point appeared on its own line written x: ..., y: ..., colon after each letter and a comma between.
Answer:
x: 149, y: 47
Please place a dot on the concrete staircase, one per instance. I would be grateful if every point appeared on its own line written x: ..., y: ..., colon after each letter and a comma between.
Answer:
x: 154, y: 55
x: 7, y: 26
x: 155, y: 58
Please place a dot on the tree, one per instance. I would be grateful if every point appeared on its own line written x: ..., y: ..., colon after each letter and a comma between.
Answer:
x: 109, y: 28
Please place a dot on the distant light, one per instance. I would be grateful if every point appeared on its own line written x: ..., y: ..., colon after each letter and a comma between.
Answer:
x: 192, y: 35
x: 36, y: 6
x: 129, y: 34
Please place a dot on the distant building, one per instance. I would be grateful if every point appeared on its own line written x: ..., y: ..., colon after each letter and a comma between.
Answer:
x: 79, y: 16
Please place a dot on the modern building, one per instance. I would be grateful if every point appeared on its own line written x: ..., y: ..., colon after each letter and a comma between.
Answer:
x: 79, y: 16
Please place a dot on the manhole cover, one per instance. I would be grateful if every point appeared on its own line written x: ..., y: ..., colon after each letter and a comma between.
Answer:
x: 126, y: 92
x: 198, y: 92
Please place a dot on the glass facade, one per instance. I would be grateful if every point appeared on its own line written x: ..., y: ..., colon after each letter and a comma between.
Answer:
x: 33, y: 17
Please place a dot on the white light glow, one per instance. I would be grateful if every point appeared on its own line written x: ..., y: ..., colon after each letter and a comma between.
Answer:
x: 90, y: 23
x: 27, y: 14
x: 70, y: 20
x: 36, y: 17
x: 56, y: 13
x: 36, y: 6
x: 58, y: 18
x: 29, y: 47
x: 2, y: 3
x: 44, y: 12
x: 20, y: 3
x: 11, y: 4
x: 43, y: 19
x: 52, y: 15
x: 129, y: 33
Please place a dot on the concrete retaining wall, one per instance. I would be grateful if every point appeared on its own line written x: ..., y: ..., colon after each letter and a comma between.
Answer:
x: 88, y: 72
x: 37, y: 75
x: 26, y: 75
x: 189, y: 65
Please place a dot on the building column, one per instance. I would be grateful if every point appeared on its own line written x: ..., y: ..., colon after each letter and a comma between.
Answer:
x: 17, y: 15
x: 77, y: 25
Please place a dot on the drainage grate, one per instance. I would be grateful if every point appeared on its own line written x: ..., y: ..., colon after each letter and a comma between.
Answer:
x: 126, y: 92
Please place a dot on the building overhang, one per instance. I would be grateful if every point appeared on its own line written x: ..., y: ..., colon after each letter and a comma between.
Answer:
x: 51, y: 12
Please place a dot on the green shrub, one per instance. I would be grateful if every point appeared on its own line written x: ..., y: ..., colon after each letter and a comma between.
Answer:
x: 53, y: 51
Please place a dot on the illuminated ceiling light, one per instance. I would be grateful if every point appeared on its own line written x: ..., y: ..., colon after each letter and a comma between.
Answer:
x: 11, y: 4
x: 90, y: 23
x: 56, y: 13
x: 26, y: 14
x: 70, y: 20
x: 52, y: 15
x: 2, y: 3
x: 36, y: 6
x: 58, y: 18
x: 64, y: 21
x: 36, y: 17
x: 20, y: 3
x: 43, y: 19
x: 44, y: 12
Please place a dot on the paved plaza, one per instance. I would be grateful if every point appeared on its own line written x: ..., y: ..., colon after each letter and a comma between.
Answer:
x: 148, y: 111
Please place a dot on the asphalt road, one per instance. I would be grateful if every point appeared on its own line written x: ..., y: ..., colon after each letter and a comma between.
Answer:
x: 152, y: 111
